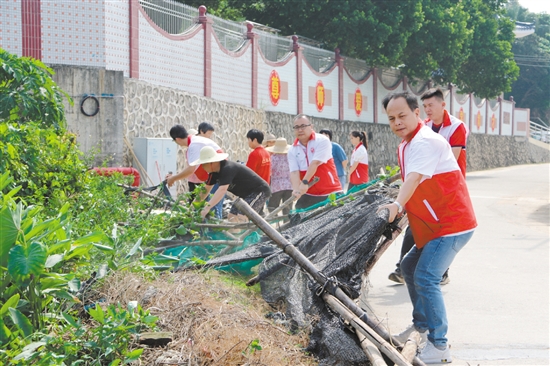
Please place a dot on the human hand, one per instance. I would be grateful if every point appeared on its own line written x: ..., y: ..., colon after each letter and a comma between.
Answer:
x: 205, y: 211
x: 392, y: 207
x: 170, y: 179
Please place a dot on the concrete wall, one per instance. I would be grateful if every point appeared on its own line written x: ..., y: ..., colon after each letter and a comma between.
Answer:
x: 105, y: 130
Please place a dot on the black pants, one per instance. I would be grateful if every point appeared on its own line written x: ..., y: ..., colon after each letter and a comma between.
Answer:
x: 408, y: 243
x: 307, y: 201
x: 277, y: 198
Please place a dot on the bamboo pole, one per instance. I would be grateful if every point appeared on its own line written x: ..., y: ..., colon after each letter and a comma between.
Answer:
x: 320, y: 278
x: 411, y: 346
x: 400, y: 226
x: 372, y: 352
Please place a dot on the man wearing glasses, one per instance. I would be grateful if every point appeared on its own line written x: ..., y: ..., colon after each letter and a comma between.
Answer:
x: 311, y: 156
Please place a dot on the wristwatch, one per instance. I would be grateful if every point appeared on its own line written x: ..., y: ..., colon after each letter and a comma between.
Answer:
x: 399, y: 207
x: 305, y: 181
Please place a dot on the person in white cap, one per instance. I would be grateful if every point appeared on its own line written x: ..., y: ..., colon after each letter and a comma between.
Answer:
x: 233, y: 177
x: 281, y: 188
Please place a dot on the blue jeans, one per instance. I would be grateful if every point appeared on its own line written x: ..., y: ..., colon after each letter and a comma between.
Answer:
x: 422, y: 270
x: 342, y: 179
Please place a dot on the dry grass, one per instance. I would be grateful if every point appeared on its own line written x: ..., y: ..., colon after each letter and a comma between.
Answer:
x: 213, y: 320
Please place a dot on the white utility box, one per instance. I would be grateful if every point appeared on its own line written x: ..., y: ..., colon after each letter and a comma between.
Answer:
x: 158, y: 157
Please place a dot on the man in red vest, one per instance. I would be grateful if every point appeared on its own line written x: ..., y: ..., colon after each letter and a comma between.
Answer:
x: 456, y: 133
x: 441, y: 218
x: 311, y: 156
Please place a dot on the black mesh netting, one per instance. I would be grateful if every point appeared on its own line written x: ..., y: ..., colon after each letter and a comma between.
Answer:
x: 338, y: 241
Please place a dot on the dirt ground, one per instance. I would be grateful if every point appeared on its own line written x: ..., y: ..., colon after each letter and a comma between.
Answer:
x: 214, y: 318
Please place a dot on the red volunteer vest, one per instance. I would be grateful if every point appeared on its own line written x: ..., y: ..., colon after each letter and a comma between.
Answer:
x: 439, y: 206
x: 361, y: 174
x: 327, y: 174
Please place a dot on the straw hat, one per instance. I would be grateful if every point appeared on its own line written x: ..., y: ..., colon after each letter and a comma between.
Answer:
x: 280, y: 147
x: 192, y: 132
x: 270, y: 137
x: 209, y: 155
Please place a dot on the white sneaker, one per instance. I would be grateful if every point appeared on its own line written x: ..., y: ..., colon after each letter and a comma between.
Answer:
x: 404, y: 335
x: 431, y: 354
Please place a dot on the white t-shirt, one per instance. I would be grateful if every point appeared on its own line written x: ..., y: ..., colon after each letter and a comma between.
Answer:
x: 428, y: 154
x: 318, y: 148
x: 360, y: 155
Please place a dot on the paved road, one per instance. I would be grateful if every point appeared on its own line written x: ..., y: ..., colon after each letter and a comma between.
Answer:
x: 498, y: 298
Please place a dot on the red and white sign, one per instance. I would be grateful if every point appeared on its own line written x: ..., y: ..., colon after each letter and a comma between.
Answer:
x: 358, y: 102
x: 274, y: 87
x: 320, y: 96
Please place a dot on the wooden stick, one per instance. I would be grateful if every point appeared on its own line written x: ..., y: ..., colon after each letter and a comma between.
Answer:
x: 373, y: 354
x: 401, y: 225
x: 411, y: 346
x: 140, y: 167
x: 366, y: 331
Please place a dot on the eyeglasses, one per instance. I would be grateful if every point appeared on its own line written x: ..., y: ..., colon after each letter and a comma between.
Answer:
x: 301, y: 127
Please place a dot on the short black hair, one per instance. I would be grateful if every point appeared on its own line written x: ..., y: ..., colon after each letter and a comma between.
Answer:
x: 433, y: 92
x: 178, y: 131
x: 408, y: 96
x: 204, y: 127
x: 328, y: 133
x: 255, y: 134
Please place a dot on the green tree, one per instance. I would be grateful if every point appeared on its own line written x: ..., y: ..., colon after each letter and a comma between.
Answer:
x: 438, y: 49
x: 532, y: 54
x: 467, y: 42
x: 28, y: 93
x: 373, y: 30
x: 490, y: 68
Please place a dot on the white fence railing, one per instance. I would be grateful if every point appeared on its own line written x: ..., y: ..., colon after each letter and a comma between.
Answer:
x: 539, y: 132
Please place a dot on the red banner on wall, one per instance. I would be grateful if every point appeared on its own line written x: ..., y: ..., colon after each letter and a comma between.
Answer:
x: 274, y: 87
x: 320, y: 96
x: 358, y: 102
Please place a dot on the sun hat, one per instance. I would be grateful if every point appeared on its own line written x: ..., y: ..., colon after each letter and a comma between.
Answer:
x: 209, y: 155
x: 270, y: 137
x: 280, y: 147
x: 192, y: 132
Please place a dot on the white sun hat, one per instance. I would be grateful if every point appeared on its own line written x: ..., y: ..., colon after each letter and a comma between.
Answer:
x: 209, y: 155
x: 192, y: 132
x: 280, y: 147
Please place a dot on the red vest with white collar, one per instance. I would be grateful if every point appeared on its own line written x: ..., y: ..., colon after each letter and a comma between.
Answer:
x: 318, y: 148
x: 361, y: 174
x: 440, y: 205
x: 448, y: 128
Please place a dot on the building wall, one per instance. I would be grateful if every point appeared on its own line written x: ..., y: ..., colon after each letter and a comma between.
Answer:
x: 11, y: 38
x: 103, y: 132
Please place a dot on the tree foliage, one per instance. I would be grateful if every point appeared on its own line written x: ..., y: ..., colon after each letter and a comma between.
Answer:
x: 490, y: 68
x: 467, y: 42
x: 532, y: 53
x: 28, y: 93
